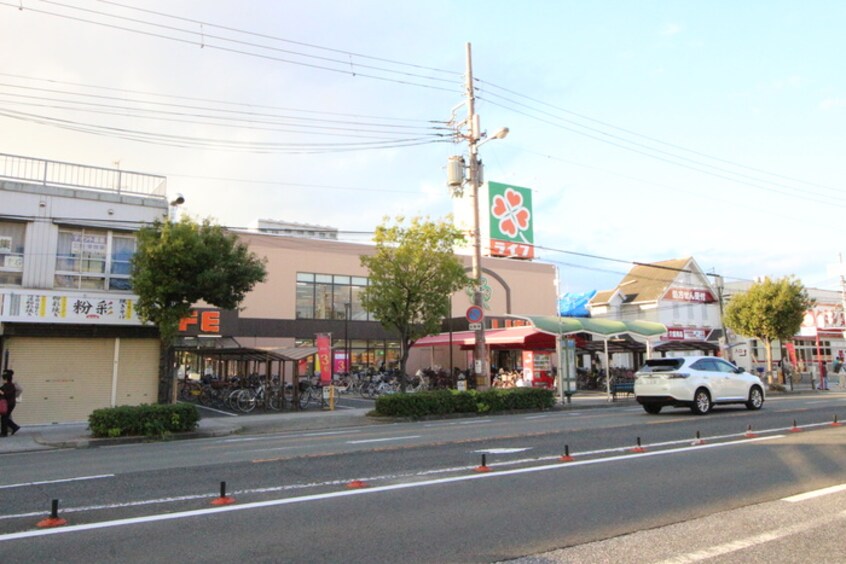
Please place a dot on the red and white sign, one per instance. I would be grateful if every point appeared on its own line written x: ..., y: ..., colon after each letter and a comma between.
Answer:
x: 690, y: 295
x: 685, y: 334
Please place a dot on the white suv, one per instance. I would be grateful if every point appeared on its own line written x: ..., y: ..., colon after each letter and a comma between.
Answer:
x: 695, y: 382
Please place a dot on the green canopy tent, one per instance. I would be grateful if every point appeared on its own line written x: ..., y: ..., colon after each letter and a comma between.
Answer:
x: 605, y: 329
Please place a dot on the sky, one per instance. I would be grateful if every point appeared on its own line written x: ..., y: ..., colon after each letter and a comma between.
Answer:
x: 647, y: 131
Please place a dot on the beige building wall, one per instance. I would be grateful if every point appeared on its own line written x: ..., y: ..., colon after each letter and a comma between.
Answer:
x: 517, y: 287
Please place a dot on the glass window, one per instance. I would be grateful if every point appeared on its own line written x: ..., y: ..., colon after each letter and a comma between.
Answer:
x: 12, y: 236
x: 305, y: 300
x: 92, y: 259
x: 341, y: 297
x: 323, y: 301
x: 323, y: 296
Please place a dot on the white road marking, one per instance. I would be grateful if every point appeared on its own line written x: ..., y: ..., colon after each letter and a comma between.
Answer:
x: 383, y: 440
x: 288, y: 436
x: 748, y: 542
x: 77, y: 479
x: 544, y: 416
x: 816, y: 493
x: 221, y: 412
x: 349, y: 493
x: 502, y: 450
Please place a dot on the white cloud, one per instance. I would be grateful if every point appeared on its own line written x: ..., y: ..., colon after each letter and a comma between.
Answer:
x: 672, y: 29
x: 832, y: 104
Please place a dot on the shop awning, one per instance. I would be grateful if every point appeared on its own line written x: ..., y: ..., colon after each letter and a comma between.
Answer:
x: 527, y: 338
x: 604, y: 328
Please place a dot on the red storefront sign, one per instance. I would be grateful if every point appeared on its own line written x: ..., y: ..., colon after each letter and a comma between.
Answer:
x: 690, y: 295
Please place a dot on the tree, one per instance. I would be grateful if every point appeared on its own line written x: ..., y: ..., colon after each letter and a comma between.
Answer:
x: 412, y: 275
x: 769, y: 310
x: 179, y: 264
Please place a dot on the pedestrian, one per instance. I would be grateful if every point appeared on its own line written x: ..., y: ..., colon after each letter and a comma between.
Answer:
x: 8, y: 392
x: 823, y: 376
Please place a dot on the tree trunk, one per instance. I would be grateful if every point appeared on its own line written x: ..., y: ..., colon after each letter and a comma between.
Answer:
x: 768, y: 346
x: 404, y: 348
x: 165, y: 373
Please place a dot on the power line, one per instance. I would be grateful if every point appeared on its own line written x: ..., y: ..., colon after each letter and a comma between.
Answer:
x: 197, y: 35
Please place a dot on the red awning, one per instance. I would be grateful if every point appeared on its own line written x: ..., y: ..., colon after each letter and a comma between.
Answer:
x: 526, y: 338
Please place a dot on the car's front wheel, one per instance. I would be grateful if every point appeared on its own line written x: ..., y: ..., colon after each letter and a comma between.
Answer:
x: 652, y: 408
x: 756, y: 398
x: 701, y: 402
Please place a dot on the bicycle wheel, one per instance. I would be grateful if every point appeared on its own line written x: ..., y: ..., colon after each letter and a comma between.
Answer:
x: 246, y: 401
x: 305, y: 398
x: 275, y: 400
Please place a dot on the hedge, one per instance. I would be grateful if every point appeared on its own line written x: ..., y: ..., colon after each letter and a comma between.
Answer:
x: 143, y: 420
x: 445, y: 402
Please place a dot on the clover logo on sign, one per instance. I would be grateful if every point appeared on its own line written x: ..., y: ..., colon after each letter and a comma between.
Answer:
x: 514, y: 217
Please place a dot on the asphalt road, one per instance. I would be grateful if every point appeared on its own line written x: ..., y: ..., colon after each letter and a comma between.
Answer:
x: 425, y: 500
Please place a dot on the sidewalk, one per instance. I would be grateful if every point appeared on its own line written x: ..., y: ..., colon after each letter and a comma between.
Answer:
x: 76, y: 435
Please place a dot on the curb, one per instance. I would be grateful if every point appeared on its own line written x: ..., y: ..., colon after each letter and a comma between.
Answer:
x: 94, y: 442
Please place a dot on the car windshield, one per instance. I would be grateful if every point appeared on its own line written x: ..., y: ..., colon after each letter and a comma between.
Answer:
x: 661, y: 365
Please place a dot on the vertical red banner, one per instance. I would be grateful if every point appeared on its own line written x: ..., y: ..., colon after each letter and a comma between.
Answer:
x: 324, y: 357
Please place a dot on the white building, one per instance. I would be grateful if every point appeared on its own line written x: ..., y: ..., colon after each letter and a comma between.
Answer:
x: 676, y: 293
x: 67, y: 318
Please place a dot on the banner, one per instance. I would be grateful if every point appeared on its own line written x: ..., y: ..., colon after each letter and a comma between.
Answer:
x: 324, y: 356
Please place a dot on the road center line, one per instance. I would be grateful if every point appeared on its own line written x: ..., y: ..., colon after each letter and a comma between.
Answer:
x: 78, y: 479
x: 366, y: 491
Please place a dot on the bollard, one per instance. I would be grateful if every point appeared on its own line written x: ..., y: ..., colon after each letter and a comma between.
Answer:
x: 698, y: 440
x: 835, y: 423
x: 566, y: 456
x: 749, y: 433
x: 223, y: 499
x: 795, y: 428
x: 53, y: 520
x: 638, y: 448
x: 484, y: 467
x: 356, y: 485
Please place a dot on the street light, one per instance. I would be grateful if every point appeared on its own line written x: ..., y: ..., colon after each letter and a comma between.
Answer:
x: 174, y: 203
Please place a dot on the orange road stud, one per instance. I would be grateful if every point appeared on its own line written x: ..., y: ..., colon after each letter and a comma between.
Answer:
x: 749, y: 433
x: 53, y: 520
x: 566, y: 456
x: 698, y: 440
x: 223, y: 499
x: 795, y: 428
x: 638, y: 448
x: 835, y: 423
x: 356, y: 485
x: 484, y: 466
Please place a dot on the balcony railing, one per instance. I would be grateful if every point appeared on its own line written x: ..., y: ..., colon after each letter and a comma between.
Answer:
x: 70, y: 175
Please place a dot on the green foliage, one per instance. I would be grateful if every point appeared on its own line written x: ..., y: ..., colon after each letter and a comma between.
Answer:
x: 179, y: 264
x: 143, y: 420
x: 412, y: 274
x: 445, y: 402
x: 769, y: 309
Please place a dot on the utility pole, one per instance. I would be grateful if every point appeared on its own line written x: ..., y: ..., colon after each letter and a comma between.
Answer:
x: 480, y: 360
x: 461, y: 173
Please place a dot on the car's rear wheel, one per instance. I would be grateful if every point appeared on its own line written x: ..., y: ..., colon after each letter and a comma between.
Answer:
x: 652, y: 408
x: 701, y: 402
x: 756, y: 398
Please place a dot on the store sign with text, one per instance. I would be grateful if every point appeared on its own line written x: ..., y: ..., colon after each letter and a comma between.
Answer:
x: 60, y: 307
x: 685, y: 334
x: 511, y: 232
x: 690, y: 295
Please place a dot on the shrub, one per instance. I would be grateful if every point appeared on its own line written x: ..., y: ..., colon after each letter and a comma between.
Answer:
x: 143, y: 420
x: 445, y: 402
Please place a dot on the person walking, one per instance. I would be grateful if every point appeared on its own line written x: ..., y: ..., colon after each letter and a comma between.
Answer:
x: 8, y: 392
